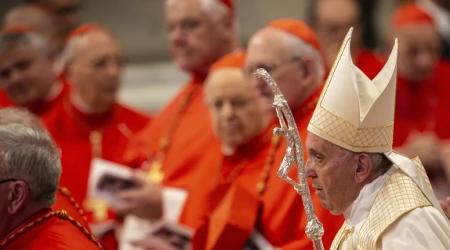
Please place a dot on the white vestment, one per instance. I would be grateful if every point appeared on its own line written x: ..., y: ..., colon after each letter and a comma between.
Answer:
x: 420, y: 228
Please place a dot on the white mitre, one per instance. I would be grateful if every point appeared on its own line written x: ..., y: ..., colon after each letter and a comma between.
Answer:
x: 357, y: 113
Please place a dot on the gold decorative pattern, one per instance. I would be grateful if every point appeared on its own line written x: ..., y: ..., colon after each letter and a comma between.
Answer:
x: 64, y: 191
x: 398, y: 196
x: 63, y: 215
x: 344, y: 131
x: 348, y: 232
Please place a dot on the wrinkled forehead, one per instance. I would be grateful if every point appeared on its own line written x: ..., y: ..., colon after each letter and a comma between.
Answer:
x: 181, y: 9
x: 228, y: 81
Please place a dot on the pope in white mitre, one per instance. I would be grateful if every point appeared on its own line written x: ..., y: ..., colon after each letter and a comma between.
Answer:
x: 386, y: 198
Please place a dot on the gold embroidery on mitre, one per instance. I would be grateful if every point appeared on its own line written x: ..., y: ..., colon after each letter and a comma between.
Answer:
x: 344, y: 131
x: 398, y: 196
x: 336, y: 128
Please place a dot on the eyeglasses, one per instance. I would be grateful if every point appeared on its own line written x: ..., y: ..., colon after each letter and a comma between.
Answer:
x: 7, y: 180
x: 270, y: 68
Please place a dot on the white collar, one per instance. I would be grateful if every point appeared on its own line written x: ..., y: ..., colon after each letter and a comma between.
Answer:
x: 358, y: 211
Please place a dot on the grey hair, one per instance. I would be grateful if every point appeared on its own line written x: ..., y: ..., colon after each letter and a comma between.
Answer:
x: 31, y: 155
x: 300, y: 48
x: 69, y: 51
x: 37, y: 42
x: 20, y: 116
x: 379, y: 160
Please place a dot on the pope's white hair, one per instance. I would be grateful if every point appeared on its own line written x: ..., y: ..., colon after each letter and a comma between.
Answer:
x: 299, y: 48
x: 213, y: 7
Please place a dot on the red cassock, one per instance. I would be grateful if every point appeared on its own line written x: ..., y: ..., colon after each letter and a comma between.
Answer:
x: 423, y: 106
x: 49, y: 229
x: 176, y: 139
x: 64, y: 201
x: 4, y: 100
x: 81, y: 137
x: 224, y: 209
x: 369, y: 62
x: 224, y: 214
x: 40, y: 108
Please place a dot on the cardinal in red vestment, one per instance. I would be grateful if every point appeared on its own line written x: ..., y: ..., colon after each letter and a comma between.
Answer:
x: 64, y: 201
x: 31, y: 168
x: 300, y: 79
x: 173, y: 145
x: 90, y: 123
x: 421, y: 120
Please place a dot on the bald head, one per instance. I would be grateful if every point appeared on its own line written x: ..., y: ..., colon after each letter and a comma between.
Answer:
x: 94, y: 66
x: 19, y: 116
x: 331, y: 25
x: 236, y: 112
x: 295, y: 65
x: 38, y: 20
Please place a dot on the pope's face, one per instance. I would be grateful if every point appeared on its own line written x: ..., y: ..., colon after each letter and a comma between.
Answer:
x: 235, y: 107
x: 330, y: 169
x: 418, y: 52
x: 97, y: 69
x: 26, y: 75
x: 196, y: 38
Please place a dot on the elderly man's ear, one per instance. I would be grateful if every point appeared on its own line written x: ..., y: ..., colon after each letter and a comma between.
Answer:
x: 364, y: 167
x: 17, y: 197
x: 308, y: 68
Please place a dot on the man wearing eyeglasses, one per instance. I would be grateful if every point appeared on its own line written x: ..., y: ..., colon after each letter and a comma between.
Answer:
x: 289, y: 50
x: 29, y: 174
